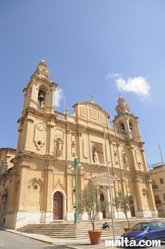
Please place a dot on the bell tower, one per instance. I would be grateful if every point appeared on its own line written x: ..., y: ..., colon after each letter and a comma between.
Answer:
x: 127, y: 129
x: 40, y: 91
x: 125, y: 122
x: 38, y: 108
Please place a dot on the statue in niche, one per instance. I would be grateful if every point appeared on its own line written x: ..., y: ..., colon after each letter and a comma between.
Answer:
x: 96, y: 156
x: 125, y: 159
x: 59, y: 147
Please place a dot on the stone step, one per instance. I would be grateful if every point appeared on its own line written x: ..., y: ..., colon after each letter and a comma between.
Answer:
x: 80, y: 230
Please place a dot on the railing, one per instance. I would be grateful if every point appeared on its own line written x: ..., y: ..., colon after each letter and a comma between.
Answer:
x: 154, y: 186
x: 154, y: 165
x: 158, y: 201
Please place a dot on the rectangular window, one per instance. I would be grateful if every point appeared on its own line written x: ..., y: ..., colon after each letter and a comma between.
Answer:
x: 154, y: 185
x: 161, y: 180
x: 164, y: 196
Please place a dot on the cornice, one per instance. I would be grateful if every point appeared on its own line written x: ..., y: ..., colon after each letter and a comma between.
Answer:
x: 35, y: 113
x: 7, y: 174
x: 125, y: 114
x: 7, y: 149
x: 35, y: 78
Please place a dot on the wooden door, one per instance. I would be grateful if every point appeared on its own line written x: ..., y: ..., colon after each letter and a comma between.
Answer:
x: 57, y: 206
x: 132, y: 209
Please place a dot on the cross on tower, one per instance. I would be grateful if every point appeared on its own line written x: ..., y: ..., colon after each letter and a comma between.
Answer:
x: 91, y: 96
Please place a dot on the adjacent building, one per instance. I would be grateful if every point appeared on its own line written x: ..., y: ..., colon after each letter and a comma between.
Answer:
x: 158, y: 185
x: 38, y: 188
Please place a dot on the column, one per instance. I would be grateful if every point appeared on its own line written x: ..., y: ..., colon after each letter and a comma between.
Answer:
x: 49, y: 188
x: 138, y: 195
x: 124, y: 185
x: 151, y: 196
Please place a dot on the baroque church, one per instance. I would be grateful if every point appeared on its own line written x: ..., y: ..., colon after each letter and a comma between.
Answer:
x: 36, y: 184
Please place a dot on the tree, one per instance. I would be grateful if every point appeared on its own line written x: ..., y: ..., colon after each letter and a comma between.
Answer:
x: 90, y: 202
x: 123, y: 203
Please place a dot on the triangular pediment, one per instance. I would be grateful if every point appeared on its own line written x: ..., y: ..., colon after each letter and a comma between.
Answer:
x: 102, y: 179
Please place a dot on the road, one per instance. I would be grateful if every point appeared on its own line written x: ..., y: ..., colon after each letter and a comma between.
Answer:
x: 15, y: 241
x: 10, y: 240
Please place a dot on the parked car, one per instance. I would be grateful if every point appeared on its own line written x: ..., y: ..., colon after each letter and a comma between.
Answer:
x: 154, y: 230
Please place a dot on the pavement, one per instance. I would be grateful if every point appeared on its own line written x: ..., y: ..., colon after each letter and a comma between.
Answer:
x: 62, y: 243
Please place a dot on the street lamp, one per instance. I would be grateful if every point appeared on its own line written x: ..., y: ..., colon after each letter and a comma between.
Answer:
x: 74, y: 166
x: 109, y: 184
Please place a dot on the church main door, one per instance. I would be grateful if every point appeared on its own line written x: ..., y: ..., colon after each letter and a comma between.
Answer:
x: 132, y: 209
x: 57, y: 206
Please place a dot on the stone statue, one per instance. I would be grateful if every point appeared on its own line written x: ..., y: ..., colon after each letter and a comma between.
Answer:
x: 96, y: 157
x: 125, y: 159
x: 59, y: 145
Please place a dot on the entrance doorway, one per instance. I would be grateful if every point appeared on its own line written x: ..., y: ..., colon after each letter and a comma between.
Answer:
x: 132, y: 209
x: 57, y: 206
x: 102, y: 199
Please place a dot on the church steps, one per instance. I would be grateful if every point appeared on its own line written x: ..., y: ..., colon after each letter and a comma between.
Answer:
x: 80, y: 230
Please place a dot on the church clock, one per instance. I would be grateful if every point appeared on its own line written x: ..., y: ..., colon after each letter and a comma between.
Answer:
x: 40, y: 126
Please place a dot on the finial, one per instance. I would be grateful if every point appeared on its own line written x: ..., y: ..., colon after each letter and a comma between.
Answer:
x: 43, y: 62
x: 122, y: 107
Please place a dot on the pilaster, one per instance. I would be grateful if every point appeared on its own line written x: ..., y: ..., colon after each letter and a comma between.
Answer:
x: 138, y: 194
x: 51, y: 137
x: 23, y: 187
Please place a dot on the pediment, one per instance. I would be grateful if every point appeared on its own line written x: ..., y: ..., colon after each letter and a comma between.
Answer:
x: 92, y: 112
x: 102, y: 179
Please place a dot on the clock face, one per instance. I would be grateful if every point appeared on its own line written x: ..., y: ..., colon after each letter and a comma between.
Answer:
x: 40, y: 126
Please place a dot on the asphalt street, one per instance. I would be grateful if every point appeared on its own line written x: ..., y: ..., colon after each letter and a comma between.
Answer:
x: 11, y: 239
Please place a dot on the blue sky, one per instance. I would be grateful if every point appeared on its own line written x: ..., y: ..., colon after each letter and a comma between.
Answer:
x: 99, y: 47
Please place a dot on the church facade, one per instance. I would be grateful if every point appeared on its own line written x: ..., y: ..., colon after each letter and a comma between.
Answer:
x: 38, y: 187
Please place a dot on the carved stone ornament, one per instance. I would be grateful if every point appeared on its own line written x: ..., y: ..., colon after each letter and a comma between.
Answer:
x: 122, y: 106
x: 41, y: 70
x: 39, y: 144
x: 39, y: 136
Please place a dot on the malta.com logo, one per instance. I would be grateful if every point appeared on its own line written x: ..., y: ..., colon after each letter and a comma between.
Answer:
x: 125, y: 242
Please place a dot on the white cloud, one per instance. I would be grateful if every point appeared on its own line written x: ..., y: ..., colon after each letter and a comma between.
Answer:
x: 138, y: 85
x: 58, y: 96
x: 113, y: 75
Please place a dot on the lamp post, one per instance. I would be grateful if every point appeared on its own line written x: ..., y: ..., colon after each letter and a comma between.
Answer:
x: 109, y: 184
x: 74, y: 166
x: 161, y: 157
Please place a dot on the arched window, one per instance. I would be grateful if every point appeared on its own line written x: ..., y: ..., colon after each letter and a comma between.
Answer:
x: 41, y: 97
x: 130, y: 127
x: 122, y: 128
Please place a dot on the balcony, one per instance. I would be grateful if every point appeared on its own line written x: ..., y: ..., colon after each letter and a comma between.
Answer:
x: 154, y: 186
x: 158, y: 201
